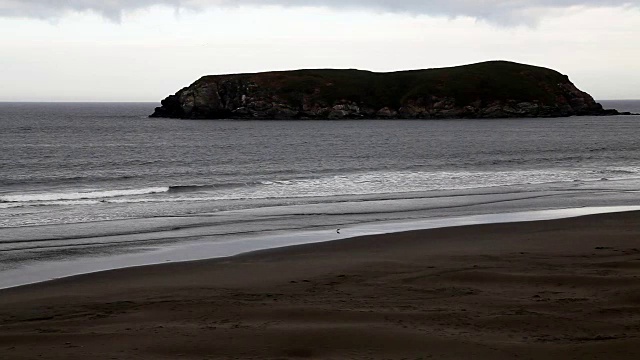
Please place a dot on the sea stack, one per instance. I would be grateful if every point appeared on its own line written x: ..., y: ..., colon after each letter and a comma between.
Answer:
x: 493, y: 89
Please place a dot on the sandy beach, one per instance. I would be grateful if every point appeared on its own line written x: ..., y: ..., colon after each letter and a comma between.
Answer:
x: 560, y: 289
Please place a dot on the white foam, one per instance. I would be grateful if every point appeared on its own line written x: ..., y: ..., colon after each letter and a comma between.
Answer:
x: 97, y: 194
x: 386, y: 182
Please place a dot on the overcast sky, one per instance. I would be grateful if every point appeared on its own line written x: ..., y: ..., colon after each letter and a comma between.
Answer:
x: 144, y: 50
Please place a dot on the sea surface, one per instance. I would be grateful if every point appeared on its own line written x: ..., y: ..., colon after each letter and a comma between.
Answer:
x: 93, y: 181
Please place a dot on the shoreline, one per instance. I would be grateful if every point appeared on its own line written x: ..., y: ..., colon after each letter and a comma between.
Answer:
x: 556, y: 288
x: 201, y: 251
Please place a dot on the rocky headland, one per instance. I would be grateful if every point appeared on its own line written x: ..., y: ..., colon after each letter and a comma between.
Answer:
x: 494, y: 89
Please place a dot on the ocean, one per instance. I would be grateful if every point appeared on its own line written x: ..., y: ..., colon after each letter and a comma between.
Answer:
x: 85, y: 185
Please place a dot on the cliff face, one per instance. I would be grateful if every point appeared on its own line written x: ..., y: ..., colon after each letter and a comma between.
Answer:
x: 496, y: 89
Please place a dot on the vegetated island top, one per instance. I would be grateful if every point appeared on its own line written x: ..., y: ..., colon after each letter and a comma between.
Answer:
x: 493, y: 89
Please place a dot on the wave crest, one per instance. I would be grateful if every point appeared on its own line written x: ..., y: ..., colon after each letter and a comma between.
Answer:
x: 98, y: 194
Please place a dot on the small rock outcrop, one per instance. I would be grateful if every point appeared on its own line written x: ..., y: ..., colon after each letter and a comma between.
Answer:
x: 495, y: 89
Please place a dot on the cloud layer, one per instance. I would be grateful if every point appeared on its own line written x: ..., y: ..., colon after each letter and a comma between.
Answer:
x: 496, y: 11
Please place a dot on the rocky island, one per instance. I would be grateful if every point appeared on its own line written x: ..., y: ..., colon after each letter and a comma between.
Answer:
x: 494, y: 89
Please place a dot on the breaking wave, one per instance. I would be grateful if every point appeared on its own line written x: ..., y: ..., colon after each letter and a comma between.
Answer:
x: 98, y: 194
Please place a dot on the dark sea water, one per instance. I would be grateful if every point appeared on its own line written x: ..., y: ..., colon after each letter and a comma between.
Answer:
x: 91, y: 180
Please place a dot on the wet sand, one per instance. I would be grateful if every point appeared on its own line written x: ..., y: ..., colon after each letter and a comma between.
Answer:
x: 561, y: 289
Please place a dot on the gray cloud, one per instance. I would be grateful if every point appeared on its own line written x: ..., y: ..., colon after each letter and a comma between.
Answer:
x: 497, y: 11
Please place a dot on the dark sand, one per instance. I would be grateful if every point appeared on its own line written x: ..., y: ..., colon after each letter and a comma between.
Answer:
x: 561, y: 289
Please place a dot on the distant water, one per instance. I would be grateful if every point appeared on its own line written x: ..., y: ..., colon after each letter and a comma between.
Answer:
x: 88, y: 179
x: 632, y: 106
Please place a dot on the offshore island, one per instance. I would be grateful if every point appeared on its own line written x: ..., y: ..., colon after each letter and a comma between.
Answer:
x: 493, y: 89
